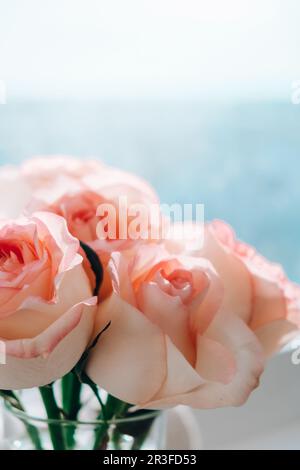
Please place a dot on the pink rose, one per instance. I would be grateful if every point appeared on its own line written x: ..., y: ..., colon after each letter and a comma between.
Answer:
x: 172, y: 339
x: 46, y: 305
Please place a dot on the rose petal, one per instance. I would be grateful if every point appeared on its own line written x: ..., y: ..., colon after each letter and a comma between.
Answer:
x: 233, y: 272
x: 40, y: 288
x: 205, y: 306
x: 233, y: 334
x: 129, y: 360
x: 215, y: 362
x: 276, y: 335
x: 41, y: 360
x: 181, y: 376
x: 272, y: 292
x: 170, y: 315
x: 57, y: 227
x: 34, y: 315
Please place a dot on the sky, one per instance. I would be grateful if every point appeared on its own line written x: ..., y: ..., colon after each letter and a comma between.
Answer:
x: 150, y: 48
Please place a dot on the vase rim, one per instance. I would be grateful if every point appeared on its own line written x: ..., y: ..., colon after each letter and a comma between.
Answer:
x: 22, y: 415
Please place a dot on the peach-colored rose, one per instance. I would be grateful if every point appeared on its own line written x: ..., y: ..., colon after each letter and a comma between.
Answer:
x: 75, y: 189
x: 49, y: 179
x: 56, y: 176
x: 254, y: 289
x: 43, y: 171
x: 172, y: 339
x: 46, y: 306
x: 19, y: 184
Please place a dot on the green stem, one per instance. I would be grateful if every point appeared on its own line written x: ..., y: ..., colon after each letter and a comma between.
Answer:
x: 114, y: 408
x: 34, y: 435
x: 71, y: 390
x: 117, y: 439
x: 32, y: 431
x: 53, y: 413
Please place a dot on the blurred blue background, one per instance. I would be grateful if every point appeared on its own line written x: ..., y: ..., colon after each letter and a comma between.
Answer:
x: 193, y: 95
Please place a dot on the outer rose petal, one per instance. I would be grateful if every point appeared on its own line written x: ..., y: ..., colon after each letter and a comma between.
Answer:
x: 276, y: 335
x: 43, y: 170
x: 274, y: 297
x: 53, y: 176
x: 129, y: 359
x: 234, y: 275
x: 215, y: 362
x: 17, y: 297
x: 233, y: 334
x: 269, y: 302
x: 47, y: 357
x: 15, y: 192
x: 114, y: 183
x: 255, y: 289
x: 181, y: 376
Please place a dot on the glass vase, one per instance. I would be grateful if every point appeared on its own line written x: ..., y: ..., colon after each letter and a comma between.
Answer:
x: 144, y: 430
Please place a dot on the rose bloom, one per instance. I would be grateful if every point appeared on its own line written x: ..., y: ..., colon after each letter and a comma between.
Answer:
x: 255, y: 289
x: 55, y: 176
x: 71, y: 187
x: 46, y: 305
x: 75, y: 190
x: 36, y: 178
x: 43, y: 172
x: 191, y: 328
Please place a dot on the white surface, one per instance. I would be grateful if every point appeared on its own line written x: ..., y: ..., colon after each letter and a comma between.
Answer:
x: 287, y: 437
x: 269, y: 420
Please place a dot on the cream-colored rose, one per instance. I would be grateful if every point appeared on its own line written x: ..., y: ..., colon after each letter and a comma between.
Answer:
x: 46, y: 305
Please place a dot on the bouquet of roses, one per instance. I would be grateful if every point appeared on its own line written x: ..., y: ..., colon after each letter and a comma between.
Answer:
x: 140, y: 323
